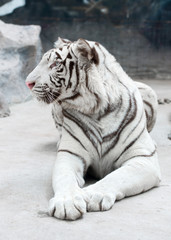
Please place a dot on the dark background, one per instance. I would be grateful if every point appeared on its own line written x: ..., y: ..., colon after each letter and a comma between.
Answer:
x: 137, y: 32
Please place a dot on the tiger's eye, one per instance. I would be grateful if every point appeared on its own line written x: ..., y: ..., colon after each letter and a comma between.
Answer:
x: 56, y: 63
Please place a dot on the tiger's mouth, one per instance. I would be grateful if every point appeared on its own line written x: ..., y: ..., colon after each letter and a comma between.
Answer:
x: 45, y: 94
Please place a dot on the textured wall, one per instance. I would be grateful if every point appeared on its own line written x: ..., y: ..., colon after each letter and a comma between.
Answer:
x: 20, y: 51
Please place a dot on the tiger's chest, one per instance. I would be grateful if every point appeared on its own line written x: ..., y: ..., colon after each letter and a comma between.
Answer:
x: 104, y: 137
x: 98, y: 134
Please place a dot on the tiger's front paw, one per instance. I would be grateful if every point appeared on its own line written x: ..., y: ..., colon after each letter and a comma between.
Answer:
x: 99, y: 201
x: 68, y: 206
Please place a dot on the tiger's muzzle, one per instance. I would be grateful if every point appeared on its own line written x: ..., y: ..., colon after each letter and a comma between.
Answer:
x: 43, y: 92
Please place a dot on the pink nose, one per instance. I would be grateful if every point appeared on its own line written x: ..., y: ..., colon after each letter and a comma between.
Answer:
x: 30, y: 84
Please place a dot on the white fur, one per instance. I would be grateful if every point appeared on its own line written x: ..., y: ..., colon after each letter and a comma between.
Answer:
x: 114, y: 143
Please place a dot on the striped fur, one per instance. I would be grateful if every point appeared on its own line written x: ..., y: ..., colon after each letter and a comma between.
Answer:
x: 104, y: 118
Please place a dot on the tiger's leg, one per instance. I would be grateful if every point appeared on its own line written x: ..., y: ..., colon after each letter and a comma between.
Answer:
x: 136, y: 175
x: 69, y: 201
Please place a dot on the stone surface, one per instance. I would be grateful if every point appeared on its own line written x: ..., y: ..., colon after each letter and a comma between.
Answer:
x: 27, y: 155
x: 20, y: 51
x: 4, y: 108
x: 4, y: 2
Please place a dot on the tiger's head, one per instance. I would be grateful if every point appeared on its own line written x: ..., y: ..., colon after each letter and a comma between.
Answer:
x: 71, y: 74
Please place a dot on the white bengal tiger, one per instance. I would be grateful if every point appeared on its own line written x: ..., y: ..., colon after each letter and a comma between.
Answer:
x: 103, y: 120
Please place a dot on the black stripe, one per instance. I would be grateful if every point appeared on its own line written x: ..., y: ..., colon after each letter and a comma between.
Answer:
x: 86, y: 80
x: 60, y: 70
x: 131, y: 144
x: 69, y: 131
x: 69, y: 56
x: 144, y: 155
x: 150, y: 106
x: 104, y: 58
x: 95, y: 55
x: 110, y: 136
x: 53, y: 82
x: 59, y: 81
x: 129, y: 117
x: 39, y: 91
x: 73, y: 97
x: 111, y: 108
x: 120, y: 128
x: 49, y: 57
x: 75, y: 154
x: 82, y: 125
x: 98, y: 101
x: 87, y: 131
x: 73, y: 53
x: 66, y: 41
x: 134, y: 127
x: 141, y: 88
x: 77, y: 77
x: 71, y: 65
x: 55, y: 120
x: 58, y: 124
x: 57, y: 54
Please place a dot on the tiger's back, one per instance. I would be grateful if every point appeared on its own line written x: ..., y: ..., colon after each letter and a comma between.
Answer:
x: 149, y: 98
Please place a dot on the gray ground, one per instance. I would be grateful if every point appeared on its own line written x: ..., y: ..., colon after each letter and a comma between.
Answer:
x: 27, y: 155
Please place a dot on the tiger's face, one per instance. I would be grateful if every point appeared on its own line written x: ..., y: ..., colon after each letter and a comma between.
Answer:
x: 62, y: 71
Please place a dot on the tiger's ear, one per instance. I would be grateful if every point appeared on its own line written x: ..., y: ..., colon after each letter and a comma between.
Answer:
x: 61, y: 42
x: 84, y: 48
x: 86, y: 52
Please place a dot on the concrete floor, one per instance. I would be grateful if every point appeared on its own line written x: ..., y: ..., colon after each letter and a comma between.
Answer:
x: 27, y: 155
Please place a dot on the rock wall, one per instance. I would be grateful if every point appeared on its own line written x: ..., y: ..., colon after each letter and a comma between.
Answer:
x: 4, y: 108
x: 139, y: 58
x: 20, y: 51
x: 2, y: 2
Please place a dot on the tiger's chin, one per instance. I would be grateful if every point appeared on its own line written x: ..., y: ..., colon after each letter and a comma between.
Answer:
x: 46, y: 97
x: 44, y: 100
